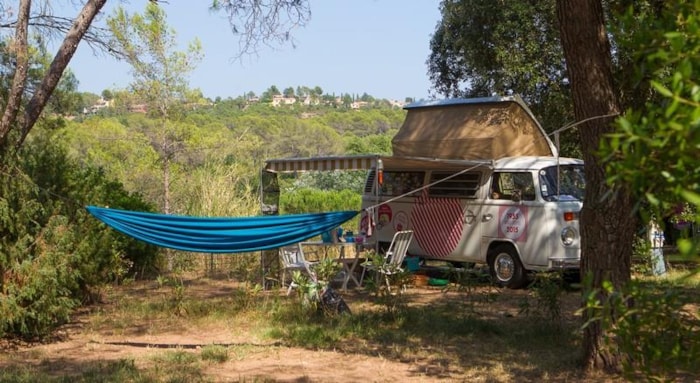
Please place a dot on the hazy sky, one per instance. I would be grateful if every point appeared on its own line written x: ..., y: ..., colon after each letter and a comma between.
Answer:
x: 375, y: 46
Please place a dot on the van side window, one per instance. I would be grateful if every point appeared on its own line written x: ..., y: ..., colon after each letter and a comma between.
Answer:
x: 465, y: 185
x: 401, y: 182
x: 513, y: 186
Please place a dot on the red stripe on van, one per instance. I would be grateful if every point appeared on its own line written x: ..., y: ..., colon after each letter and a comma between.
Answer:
x: 437, y: 224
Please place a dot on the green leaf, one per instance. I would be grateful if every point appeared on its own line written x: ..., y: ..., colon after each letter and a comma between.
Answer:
x: 661, y: 89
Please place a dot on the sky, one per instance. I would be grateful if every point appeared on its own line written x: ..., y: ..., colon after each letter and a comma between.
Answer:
x: 378, y: 47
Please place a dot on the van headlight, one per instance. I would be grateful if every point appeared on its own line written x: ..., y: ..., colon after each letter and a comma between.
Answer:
x: 568, y: 236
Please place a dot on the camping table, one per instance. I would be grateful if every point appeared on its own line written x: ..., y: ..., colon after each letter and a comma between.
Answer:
x: 349, y: 263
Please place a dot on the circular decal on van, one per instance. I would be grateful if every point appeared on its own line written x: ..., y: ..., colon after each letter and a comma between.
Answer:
x: 400, y: 221
x: 384, y: 215
x: 512, y: 222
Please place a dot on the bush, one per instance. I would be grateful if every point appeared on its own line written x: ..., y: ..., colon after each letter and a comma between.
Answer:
x: 53, y: 254
x: 656, y: 329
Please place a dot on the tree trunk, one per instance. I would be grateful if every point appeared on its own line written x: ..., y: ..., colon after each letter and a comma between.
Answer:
x: 58, y: 65
x: 607, y: 221
x: 19, y: 47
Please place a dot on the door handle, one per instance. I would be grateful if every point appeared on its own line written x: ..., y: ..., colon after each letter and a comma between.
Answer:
x: 487, y: 217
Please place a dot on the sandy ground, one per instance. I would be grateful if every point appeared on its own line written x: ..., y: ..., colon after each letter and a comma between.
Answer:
x: 78, y: 344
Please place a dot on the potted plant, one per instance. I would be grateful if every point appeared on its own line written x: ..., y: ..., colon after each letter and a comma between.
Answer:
x: 683, y: 216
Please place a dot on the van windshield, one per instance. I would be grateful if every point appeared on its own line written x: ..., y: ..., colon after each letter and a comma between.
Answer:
x: 571, y: 186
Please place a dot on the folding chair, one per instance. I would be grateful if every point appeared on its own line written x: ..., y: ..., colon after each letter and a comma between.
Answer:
x: 393, y: 258
x: 292, y: 258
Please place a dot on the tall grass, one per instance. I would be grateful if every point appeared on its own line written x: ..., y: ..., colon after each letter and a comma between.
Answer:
x: 220, y: 190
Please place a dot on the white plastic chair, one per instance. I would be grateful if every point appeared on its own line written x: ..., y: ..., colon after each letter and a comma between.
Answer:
x: 292, y: 258
x: 393, y: 258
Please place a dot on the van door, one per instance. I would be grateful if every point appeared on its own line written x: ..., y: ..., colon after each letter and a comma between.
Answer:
x: 508, y: 211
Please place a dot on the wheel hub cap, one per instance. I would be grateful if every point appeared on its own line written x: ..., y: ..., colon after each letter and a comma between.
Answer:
x: 504, y: 268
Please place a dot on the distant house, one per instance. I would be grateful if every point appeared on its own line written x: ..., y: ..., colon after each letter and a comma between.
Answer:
x: 359, y: 105
x: 397, y: 104
x: 279, y: 99
x: 98, y: 105
x: 138, y: 108
x: 308, y: 100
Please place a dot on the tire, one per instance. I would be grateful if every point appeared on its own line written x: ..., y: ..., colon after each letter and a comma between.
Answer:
x: 505, y: 267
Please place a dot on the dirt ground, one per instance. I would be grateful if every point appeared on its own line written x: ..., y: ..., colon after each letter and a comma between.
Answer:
x: 78, y: 344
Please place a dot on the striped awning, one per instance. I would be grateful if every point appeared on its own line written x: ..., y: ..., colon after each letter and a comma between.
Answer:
x: 288, y: 165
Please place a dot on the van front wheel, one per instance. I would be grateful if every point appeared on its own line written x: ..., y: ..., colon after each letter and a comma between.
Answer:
x: 505, y: 267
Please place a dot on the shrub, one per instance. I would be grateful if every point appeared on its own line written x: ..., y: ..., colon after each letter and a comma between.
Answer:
x: 656, y: 329
x: 53, y: 255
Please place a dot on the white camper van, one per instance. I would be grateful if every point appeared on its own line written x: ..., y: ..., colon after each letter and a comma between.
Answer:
x: 478, y: 181
x: 516, y: 214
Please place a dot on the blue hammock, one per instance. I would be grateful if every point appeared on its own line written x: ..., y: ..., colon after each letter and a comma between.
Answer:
x: 220, y: 235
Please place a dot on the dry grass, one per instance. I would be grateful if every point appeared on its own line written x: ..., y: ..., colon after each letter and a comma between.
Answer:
x: 222, y: 330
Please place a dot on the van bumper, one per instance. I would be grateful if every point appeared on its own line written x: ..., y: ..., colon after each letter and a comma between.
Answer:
x: 558, y: 263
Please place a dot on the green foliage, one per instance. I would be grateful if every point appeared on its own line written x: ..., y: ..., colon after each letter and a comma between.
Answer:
x: 654, y: 149
x: 655, y: 330
x: 642, y: 256
x: 308, y: 200
x: 160, y: 81
x: 389, y: 286
x: 148, y: 44
x: 175, y: 300
x: 37, y: 291
x: 331, y: 181
x: 53, y: 255
x: 311, y: 288
x: 547, y: 289
x: 372, y: 144
x: 365, y: 123
x: 217, y: 167
x: 479, y: 49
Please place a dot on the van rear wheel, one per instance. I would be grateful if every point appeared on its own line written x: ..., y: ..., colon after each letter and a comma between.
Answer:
x: 505, y: 267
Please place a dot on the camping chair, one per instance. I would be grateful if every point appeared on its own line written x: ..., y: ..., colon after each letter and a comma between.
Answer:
x: 292, y: 258
x: 393, y: 258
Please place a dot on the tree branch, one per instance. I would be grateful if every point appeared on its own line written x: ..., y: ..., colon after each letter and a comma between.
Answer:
x: 263, y: 21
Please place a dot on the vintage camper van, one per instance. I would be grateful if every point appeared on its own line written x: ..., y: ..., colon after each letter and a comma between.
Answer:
x: 516, y: 214
x: 477, y: 180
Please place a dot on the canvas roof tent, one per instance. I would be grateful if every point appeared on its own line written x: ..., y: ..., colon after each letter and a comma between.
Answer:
x: 471, y: 129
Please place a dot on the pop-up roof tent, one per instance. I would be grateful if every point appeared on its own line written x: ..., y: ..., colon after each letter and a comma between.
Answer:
x: 471, y: 129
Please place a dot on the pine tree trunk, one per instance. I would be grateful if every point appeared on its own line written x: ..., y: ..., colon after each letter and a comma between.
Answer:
x: 607, y: 221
